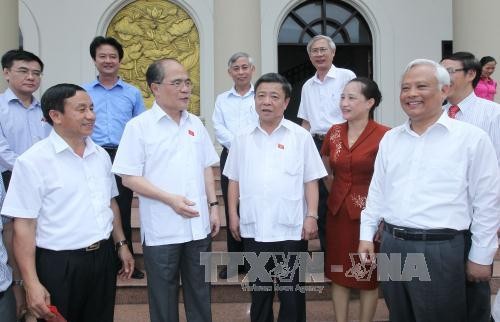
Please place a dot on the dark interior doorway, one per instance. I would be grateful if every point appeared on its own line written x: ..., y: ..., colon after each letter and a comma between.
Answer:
x: 336, y: 19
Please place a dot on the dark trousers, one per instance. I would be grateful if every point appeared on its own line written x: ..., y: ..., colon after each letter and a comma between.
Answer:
x: 81, y: 284
x: 440, y: 299
x: 322, y: 205
x: 478, y: 294
x: 7, y: 305
x: 124, y: 201
x: 232, y: 244
x: 6, y: 178
x: 164, y: 264
x: 292, y: 300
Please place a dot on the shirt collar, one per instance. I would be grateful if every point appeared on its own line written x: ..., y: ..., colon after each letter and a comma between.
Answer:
x: 466, y: 105
x: 283, y: 123
x: 60, y: 145
x: 159, y: 113
x: 10, y: 96
x: 443, y: 122
x: 332, y: 73
x: 233, y: 92
x: 96, y: 82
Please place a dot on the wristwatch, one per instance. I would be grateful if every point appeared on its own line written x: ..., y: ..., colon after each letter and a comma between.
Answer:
x: 120, y: 244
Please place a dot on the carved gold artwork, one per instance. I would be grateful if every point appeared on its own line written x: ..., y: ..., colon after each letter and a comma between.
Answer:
x: 153, y: 29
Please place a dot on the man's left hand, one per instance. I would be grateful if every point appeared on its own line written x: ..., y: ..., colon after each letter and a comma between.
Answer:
x: 214, y: 220
x: 128, y: 262
x: 310, y: 228
x: 477, y: 272
x: 20, y: 297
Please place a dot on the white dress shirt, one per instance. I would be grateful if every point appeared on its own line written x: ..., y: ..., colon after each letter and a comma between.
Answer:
x: 483, y: 114
x: 271, y: 171
x: 173, y: 157
x: 448, y: 177
x: 320, y: 100
x: 233, y: 112
x: 20, y: 128
x: 69, y: 195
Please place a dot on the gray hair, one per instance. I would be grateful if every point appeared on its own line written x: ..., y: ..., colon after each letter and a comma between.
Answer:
x: 442, y: 75
x: 234, y: 57
x: 318, y: 37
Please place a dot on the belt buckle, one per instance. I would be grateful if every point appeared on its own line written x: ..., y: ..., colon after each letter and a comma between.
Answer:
x: 94, y: 246
x: 395, y: 230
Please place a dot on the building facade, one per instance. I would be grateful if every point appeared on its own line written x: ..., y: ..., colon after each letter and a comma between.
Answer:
x: 376, y: 38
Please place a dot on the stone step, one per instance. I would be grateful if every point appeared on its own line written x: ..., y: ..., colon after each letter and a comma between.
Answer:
x: 317, y: 311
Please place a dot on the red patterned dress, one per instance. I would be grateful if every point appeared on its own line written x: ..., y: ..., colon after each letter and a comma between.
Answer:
x: 352, y: 169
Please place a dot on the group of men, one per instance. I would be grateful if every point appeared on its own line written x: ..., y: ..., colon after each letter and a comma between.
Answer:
x: 71, y: 162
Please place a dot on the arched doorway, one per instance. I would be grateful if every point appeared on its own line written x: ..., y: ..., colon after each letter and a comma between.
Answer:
x: 337, y: 19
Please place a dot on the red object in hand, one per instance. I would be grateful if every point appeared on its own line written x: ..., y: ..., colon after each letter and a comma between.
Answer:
x: 57, y: 316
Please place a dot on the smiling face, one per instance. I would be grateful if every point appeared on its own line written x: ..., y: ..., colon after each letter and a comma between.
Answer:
x: 23, y: 77
x: 321, y: 55
x: 168, y: 96
x: 353, y: 104
x: 77, y: 121
x: 241, y: 72
x: 488, y: 69
x: 107, y: 60
x: 420, y: 96
x: 270, y: 104
x: 461, y: 80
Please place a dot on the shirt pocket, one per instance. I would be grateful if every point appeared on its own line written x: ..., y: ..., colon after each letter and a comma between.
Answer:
x: 165, y: 223
x: 291, y: 212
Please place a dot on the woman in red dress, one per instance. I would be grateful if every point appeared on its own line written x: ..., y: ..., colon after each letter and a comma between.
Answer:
x: 348, y: 152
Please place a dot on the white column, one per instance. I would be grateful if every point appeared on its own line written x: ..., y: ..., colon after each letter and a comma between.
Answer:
x: 9, y: 30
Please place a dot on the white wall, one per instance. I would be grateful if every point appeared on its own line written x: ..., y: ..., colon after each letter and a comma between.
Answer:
x: 402, y: 31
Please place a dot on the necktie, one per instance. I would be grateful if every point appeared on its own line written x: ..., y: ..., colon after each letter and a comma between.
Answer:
x: 453, y: 110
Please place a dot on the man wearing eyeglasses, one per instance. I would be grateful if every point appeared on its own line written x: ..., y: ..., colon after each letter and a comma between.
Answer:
x: 319, y: 105
x: 21, y: 117
x: 464, y: 105
x: 115, y: 103
x: 166, y: 157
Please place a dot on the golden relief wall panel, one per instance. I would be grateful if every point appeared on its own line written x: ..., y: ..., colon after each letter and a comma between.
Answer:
x: 155, y: 29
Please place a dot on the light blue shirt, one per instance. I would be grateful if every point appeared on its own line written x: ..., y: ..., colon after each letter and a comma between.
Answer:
x: 20, y: 128
x: 114, y: 107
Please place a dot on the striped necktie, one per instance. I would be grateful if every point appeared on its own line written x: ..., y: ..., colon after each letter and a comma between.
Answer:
x: 452, y: 111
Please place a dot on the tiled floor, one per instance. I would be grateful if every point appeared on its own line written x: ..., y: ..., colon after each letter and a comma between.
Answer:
x: 317, y: 311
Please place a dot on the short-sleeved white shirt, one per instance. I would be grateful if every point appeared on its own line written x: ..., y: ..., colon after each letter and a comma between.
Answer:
x: 172, y: 157
x: 69, y: 195
x: 271, y: 171
x: 320, y: 100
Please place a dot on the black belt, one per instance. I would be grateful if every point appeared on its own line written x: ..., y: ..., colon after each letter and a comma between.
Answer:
x: 406, y: 233
x: 91, y: 248
x: 320, y: 137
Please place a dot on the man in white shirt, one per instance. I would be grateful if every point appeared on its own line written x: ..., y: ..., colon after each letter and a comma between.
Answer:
x: 273, y: 169
x: 61, y: 196
x: 319, y: 105
x: 166, y: 157
x: 464, y: 105
x: 434, y: 178
x: 21, y: 117
x: 234, y: 111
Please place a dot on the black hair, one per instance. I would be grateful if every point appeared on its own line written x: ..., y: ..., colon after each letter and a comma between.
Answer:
x: 55, y: 97
x: 18, y: 54
x: 275, y: 78
x: 156, y: 72
x: 369, y: 89
x: 100, y: 40
x: 469, y: 62
x: 486, y: 59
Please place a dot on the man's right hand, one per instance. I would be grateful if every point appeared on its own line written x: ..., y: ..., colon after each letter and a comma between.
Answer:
x: 183, y: 206
x: 234, y: 227
x: 37, y: 300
